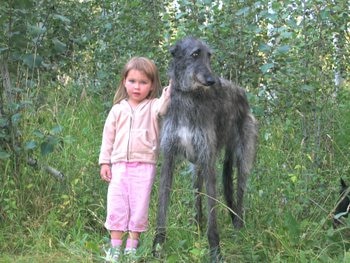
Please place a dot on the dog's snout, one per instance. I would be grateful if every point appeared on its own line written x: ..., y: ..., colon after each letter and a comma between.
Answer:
x: 210, y: 81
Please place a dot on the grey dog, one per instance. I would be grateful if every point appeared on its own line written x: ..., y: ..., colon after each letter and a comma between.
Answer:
x: 206, y: 114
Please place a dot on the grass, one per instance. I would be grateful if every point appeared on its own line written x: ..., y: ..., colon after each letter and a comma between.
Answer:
x: 288, y: 199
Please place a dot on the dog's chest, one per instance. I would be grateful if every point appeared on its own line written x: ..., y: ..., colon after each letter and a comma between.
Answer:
x: 194, y: 141
x: 190, y: 129
x: 186, y: 137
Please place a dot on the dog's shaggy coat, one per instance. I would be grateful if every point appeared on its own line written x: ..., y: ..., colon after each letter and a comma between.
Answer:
x: 206, y: 114
x: 343, y: 206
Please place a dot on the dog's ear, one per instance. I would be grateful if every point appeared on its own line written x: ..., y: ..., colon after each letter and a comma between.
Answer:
x: 173, y: 50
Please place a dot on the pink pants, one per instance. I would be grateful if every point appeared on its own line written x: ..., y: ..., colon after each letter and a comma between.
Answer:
x: 128, y: 196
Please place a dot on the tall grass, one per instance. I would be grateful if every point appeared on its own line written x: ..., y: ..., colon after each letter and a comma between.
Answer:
x: 288, y: 201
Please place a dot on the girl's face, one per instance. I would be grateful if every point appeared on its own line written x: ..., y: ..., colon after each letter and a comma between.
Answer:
x: 138, y: 86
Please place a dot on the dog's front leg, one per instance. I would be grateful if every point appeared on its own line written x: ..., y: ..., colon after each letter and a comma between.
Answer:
x: 213, y: 233
x: 198, y: 185
x: 165, y: 183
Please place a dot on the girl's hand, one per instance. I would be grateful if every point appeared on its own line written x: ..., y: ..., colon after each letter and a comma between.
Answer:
x: 105, y: 172
x: 167, y: 91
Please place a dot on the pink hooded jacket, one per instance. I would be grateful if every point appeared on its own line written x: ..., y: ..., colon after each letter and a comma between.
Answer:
x: 132, y: 135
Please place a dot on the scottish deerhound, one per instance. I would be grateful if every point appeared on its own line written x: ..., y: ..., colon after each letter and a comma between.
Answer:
x: 342, y: 209
x: 206, y: 114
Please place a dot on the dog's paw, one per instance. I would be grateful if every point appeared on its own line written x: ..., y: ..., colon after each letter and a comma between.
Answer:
x: 157, y: 250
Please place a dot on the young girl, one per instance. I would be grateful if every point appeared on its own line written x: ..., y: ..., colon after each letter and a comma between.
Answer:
x: 129, y: 152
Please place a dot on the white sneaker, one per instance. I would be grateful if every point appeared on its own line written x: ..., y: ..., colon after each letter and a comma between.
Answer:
x: 130, y: 251
x: 112, y: 254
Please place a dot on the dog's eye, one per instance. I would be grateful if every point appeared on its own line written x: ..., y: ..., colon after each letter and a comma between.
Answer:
x: 195, y: 54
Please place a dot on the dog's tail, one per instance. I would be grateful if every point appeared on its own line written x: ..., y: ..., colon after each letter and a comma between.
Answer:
x: 246, y: 151
x: 241, y: 154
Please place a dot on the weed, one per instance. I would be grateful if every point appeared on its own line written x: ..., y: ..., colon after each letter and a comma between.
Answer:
x: 289, y: 198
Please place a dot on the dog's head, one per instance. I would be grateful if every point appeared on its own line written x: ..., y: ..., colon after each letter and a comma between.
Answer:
x: 190, y: 67
x: 343, y: 207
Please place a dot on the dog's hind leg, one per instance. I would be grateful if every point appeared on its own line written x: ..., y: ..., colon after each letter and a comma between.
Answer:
x: 227, y: 181
x: 239, y: 208
x: 165, y: 183
x: 198, y: 187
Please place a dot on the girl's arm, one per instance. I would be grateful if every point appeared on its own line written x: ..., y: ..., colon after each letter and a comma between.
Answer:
x: 105, y: 172
x: 164, y: 101
x: 108, y: 137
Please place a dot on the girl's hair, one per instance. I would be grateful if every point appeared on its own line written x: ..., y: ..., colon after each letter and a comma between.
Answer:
x: 145, y: 65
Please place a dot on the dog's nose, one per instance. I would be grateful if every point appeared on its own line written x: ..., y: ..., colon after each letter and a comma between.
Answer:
x: 210, y: 81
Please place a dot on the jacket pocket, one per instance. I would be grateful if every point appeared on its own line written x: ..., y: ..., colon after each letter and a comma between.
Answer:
x: 141, y: 142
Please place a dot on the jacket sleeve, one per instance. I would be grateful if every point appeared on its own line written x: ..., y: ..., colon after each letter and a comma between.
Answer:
x: 108, y: 137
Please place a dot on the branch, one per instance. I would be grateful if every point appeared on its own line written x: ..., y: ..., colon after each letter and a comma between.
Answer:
x: 53, y: 171
x: 6, y: 82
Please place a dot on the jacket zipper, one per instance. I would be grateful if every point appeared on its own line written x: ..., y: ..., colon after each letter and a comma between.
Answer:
x: 130, y: 126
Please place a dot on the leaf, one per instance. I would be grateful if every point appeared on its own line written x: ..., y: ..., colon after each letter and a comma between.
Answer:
x: 307, y: 88
x: 3, y: 122
x: 266, y: 67
x: 61, y: 18
x: 272, y: 17
x: 283, y: 49
x: 47, y: 147
x: 267, y: 136
x: 264, y: 48
x: 286, y: 34
x: 2, y: 49
x: 36, y: 30
x: 69, y: 139
x: 59, y: 46
x: 38, y: 134
x: 108, y: 26
x: 293, y: 177
x: 180, y: 15
x: 244, y: 11
x: 57, y: 129
x: 325, y: 14
x: 293, y: 226
x: 276, y: 5
x: 196, y: 252
x: 4, y: 155
x: 15, y: 118
x: 32, y: 60
x: 30, y: 145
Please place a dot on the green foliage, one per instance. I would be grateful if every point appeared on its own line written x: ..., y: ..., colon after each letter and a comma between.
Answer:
x: 60, y: 63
